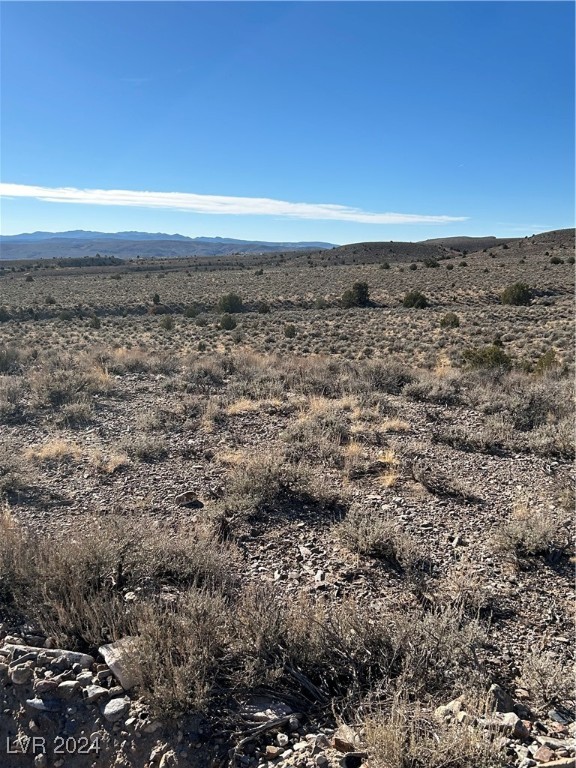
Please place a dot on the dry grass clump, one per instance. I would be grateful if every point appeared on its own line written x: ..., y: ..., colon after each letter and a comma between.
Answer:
x: 67, y: 379
x: 57, y: 451
x: 409, y: 736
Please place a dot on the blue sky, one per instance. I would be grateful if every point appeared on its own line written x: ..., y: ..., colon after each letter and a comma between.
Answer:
x: 326, y: 121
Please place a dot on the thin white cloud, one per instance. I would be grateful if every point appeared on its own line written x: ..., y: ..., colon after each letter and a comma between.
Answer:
x: 217, y: 204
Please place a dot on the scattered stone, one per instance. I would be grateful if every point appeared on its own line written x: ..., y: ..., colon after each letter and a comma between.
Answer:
x: 21, y: 675
x: 282, y: 739
x: 544, y: 755
x: 115, y: 709
x: 273, y: 752
x: 94, y: 692
x: 67, y: 689
x: 499, y: 700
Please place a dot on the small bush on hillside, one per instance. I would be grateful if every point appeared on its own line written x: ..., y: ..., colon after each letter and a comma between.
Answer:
x: 230, y: 303
x: 570, y: 260
x: 486, y: 357
x: 263, y: 308
x: 357, y: 296
x: 431, y: 263
x: 290, y: 331
x: 384, y: 265
x: 449, y: 266
x: 547, y: 362
x: 413, y: 267
x: 94, y: 322
x: 518, y: 294
x: 167, y: 322
x: 450, y: 320
x: 227, y: 323
x: 556, y: 260
x: 415, y: 299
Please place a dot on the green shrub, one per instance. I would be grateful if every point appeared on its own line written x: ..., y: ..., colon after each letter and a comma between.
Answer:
x: 263, y: 308
x: 570, y: 260
x: 321, y: 303
x: 227, y: 323
x: 230, y: 303
x: 50, y: 300
x: 556, y: 260
x: 486, y: 357
x: 450, y: 320
x: 384, y: 265
x: 449, y: 266
x: 290, y: 331
x: 357, y: 296
x: 190, y: 312
x: 415, y: 299
x: 95, y: 322
x: 413, y: 267
x: 518, y: 294
x: 431, y: 263
x: 156, y: 298
x: 167, y: 322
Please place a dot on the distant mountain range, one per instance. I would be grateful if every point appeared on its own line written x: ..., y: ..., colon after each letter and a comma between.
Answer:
x: 125, y: 245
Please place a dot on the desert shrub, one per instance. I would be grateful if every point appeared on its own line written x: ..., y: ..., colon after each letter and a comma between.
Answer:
x: 384, y: 265
x: 413, y: 267
x: 491, y: 356
x: 156, y: 299
x: 431, y: 263
x: 191, y: 311
x: 263, y: 308
x: 415, y: 299
x: 546, y: 678
x: 94, y: 322
x: 75, y: 415
x: 449, y: 266
x: 227, y: 323
x: 368, y: 532
x: 546, y: 363
x: 12, y: 470
x: 290, y: 331
x: 357, y: 296
x: 49, y: 300
x: 10, y: 359
x: 4, y: 315
x: 144, y: 448
x: 321, y: 303
x: 570, y: 260
x: 527, y: 533
x: 462, y: 263
x: 556, y: 260
x: 167, y: 322
x: 230, y: 303
x: 518, y: 294
x: 450, y: 320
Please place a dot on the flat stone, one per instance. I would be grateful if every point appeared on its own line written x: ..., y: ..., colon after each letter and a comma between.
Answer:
x: 121, y: 657
x: 68, y: 688
x: 116, y: 709
x: 94, y: 692
x: 499, y: 700
x: 273, y: 752
x: 544, y: 755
